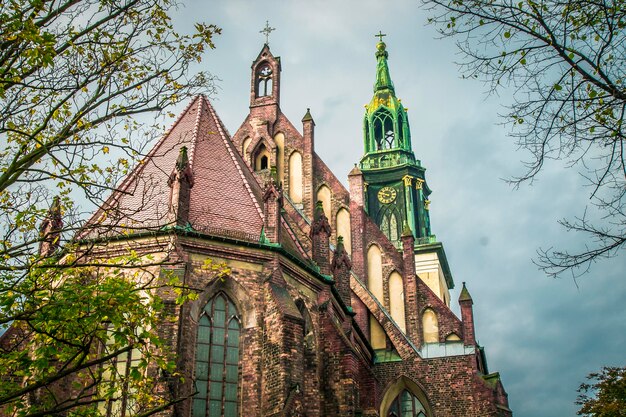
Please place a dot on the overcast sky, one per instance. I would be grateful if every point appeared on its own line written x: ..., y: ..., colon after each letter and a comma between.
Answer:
x: 543, y: 335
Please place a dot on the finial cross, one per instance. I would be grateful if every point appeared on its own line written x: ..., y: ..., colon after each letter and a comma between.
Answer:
x: 266, y: 31
x: 380, y: 35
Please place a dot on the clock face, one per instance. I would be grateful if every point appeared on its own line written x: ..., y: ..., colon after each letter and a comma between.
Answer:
x: 386, y: 195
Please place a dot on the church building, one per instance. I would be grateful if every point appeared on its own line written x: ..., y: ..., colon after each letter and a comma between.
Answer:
x: 337, y: 300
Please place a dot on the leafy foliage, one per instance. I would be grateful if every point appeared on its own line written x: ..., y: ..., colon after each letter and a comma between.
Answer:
x: 79, y: 321
x: 604, y: 395
x: 566, y: 61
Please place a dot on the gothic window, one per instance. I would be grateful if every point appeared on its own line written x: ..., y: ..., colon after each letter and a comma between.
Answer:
x: 264, y: 81
x: 343, y: 228
x: 406, y: 405
x: 366, y: 127
x: 430, y: 326
x: 217, y: 359
x: 400, y: 129
x: 295, y: 178
x: 383, y: 130
x: 121, y: 402
x: 396, y: 300
x: 244, y: 148
x: 261, y: 158
x: 264, y: 162
x: 324, y: 194
x: 375, y: 272
x: 389, y: 225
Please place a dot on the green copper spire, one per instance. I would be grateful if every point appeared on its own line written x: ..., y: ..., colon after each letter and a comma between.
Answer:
x: 383, y: 79
x: 397, y: 193
x: 386, y: 127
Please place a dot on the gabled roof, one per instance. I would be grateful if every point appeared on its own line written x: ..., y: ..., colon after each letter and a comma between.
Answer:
x: 225, y: 198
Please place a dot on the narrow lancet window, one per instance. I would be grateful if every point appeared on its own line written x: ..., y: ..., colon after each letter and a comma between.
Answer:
x: 217, y: 360
x: 389, y: 225
x: 400, y: 129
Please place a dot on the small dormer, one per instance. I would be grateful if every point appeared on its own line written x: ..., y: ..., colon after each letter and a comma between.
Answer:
x: 265, y: 82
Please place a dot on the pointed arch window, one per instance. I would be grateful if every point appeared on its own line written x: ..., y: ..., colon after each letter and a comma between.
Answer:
x: 383, y: 130
x: 121, y: 401
x: 400, y: 129
x: 389, y: 225
x: 261, y: 158
x: 217, y: 359
x: 264, y: 81
x: 406, y: 405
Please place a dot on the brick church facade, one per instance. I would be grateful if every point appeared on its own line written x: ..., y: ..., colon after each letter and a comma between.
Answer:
x: 337, y: 300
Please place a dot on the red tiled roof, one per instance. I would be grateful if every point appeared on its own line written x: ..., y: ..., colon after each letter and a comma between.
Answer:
x: 224, y: 196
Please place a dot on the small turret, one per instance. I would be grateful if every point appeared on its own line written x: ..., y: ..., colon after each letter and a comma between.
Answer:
x: 181, y: 181
x: 272, y: 206
x: 341, y: 267
x: 50, y: 229
x: 320, y: 237
x: 408, y: 258
x: 467, y: 316
x: 308, y: 134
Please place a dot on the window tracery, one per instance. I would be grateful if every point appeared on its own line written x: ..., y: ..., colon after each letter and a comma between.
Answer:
x: 389, y: 225
x: 406, y: 405
x: 383, y: 130
x: 217, y: 359
x: 264, y: 81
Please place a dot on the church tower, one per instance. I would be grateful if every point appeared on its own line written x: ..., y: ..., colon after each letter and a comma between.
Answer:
x: 396, y: 191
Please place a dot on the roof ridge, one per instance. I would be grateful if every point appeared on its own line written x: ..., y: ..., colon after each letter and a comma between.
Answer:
x: 293, y: 237
x: 196, y: 129
x: 228, y: 144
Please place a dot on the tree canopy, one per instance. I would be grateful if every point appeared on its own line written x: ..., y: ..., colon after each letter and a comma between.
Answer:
x: 75, y: 77
x: 566, y: 63
x: 604, y: 395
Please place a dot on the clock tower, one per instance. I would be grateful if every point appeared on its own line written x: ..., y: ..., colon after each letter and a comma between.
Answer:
x: 396, y: 191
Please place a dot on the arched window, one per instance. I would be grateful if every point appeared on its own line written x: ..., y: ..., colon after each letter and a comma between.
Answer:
x: 116, y: 378
x: 366, y: 130
x: 400, y: 129
x: 383, y: 130
x: 430, y: 326
x: 453, y: 337
x: 244, y: 147
x: 295, y: 178
x: 264, y: 81
x: 261, y: 158
x: 217, y: 359
x: 375, y: 272
x: 396, y: 299
x: 389, y: 224
x: 325, y: 196
x: 406, y: 405
x: 279, y: 140
x: 343, y: 228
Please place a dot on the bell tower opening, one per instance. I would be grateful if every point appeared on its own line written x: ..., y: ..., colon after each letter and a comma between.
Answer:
x: 383, y: 130
x: 264, y: 81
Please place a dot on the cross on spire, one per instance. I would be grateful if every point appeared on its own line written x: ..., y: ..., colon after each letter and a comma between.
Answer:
x: 380, y: 35
x: 266, y: 31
